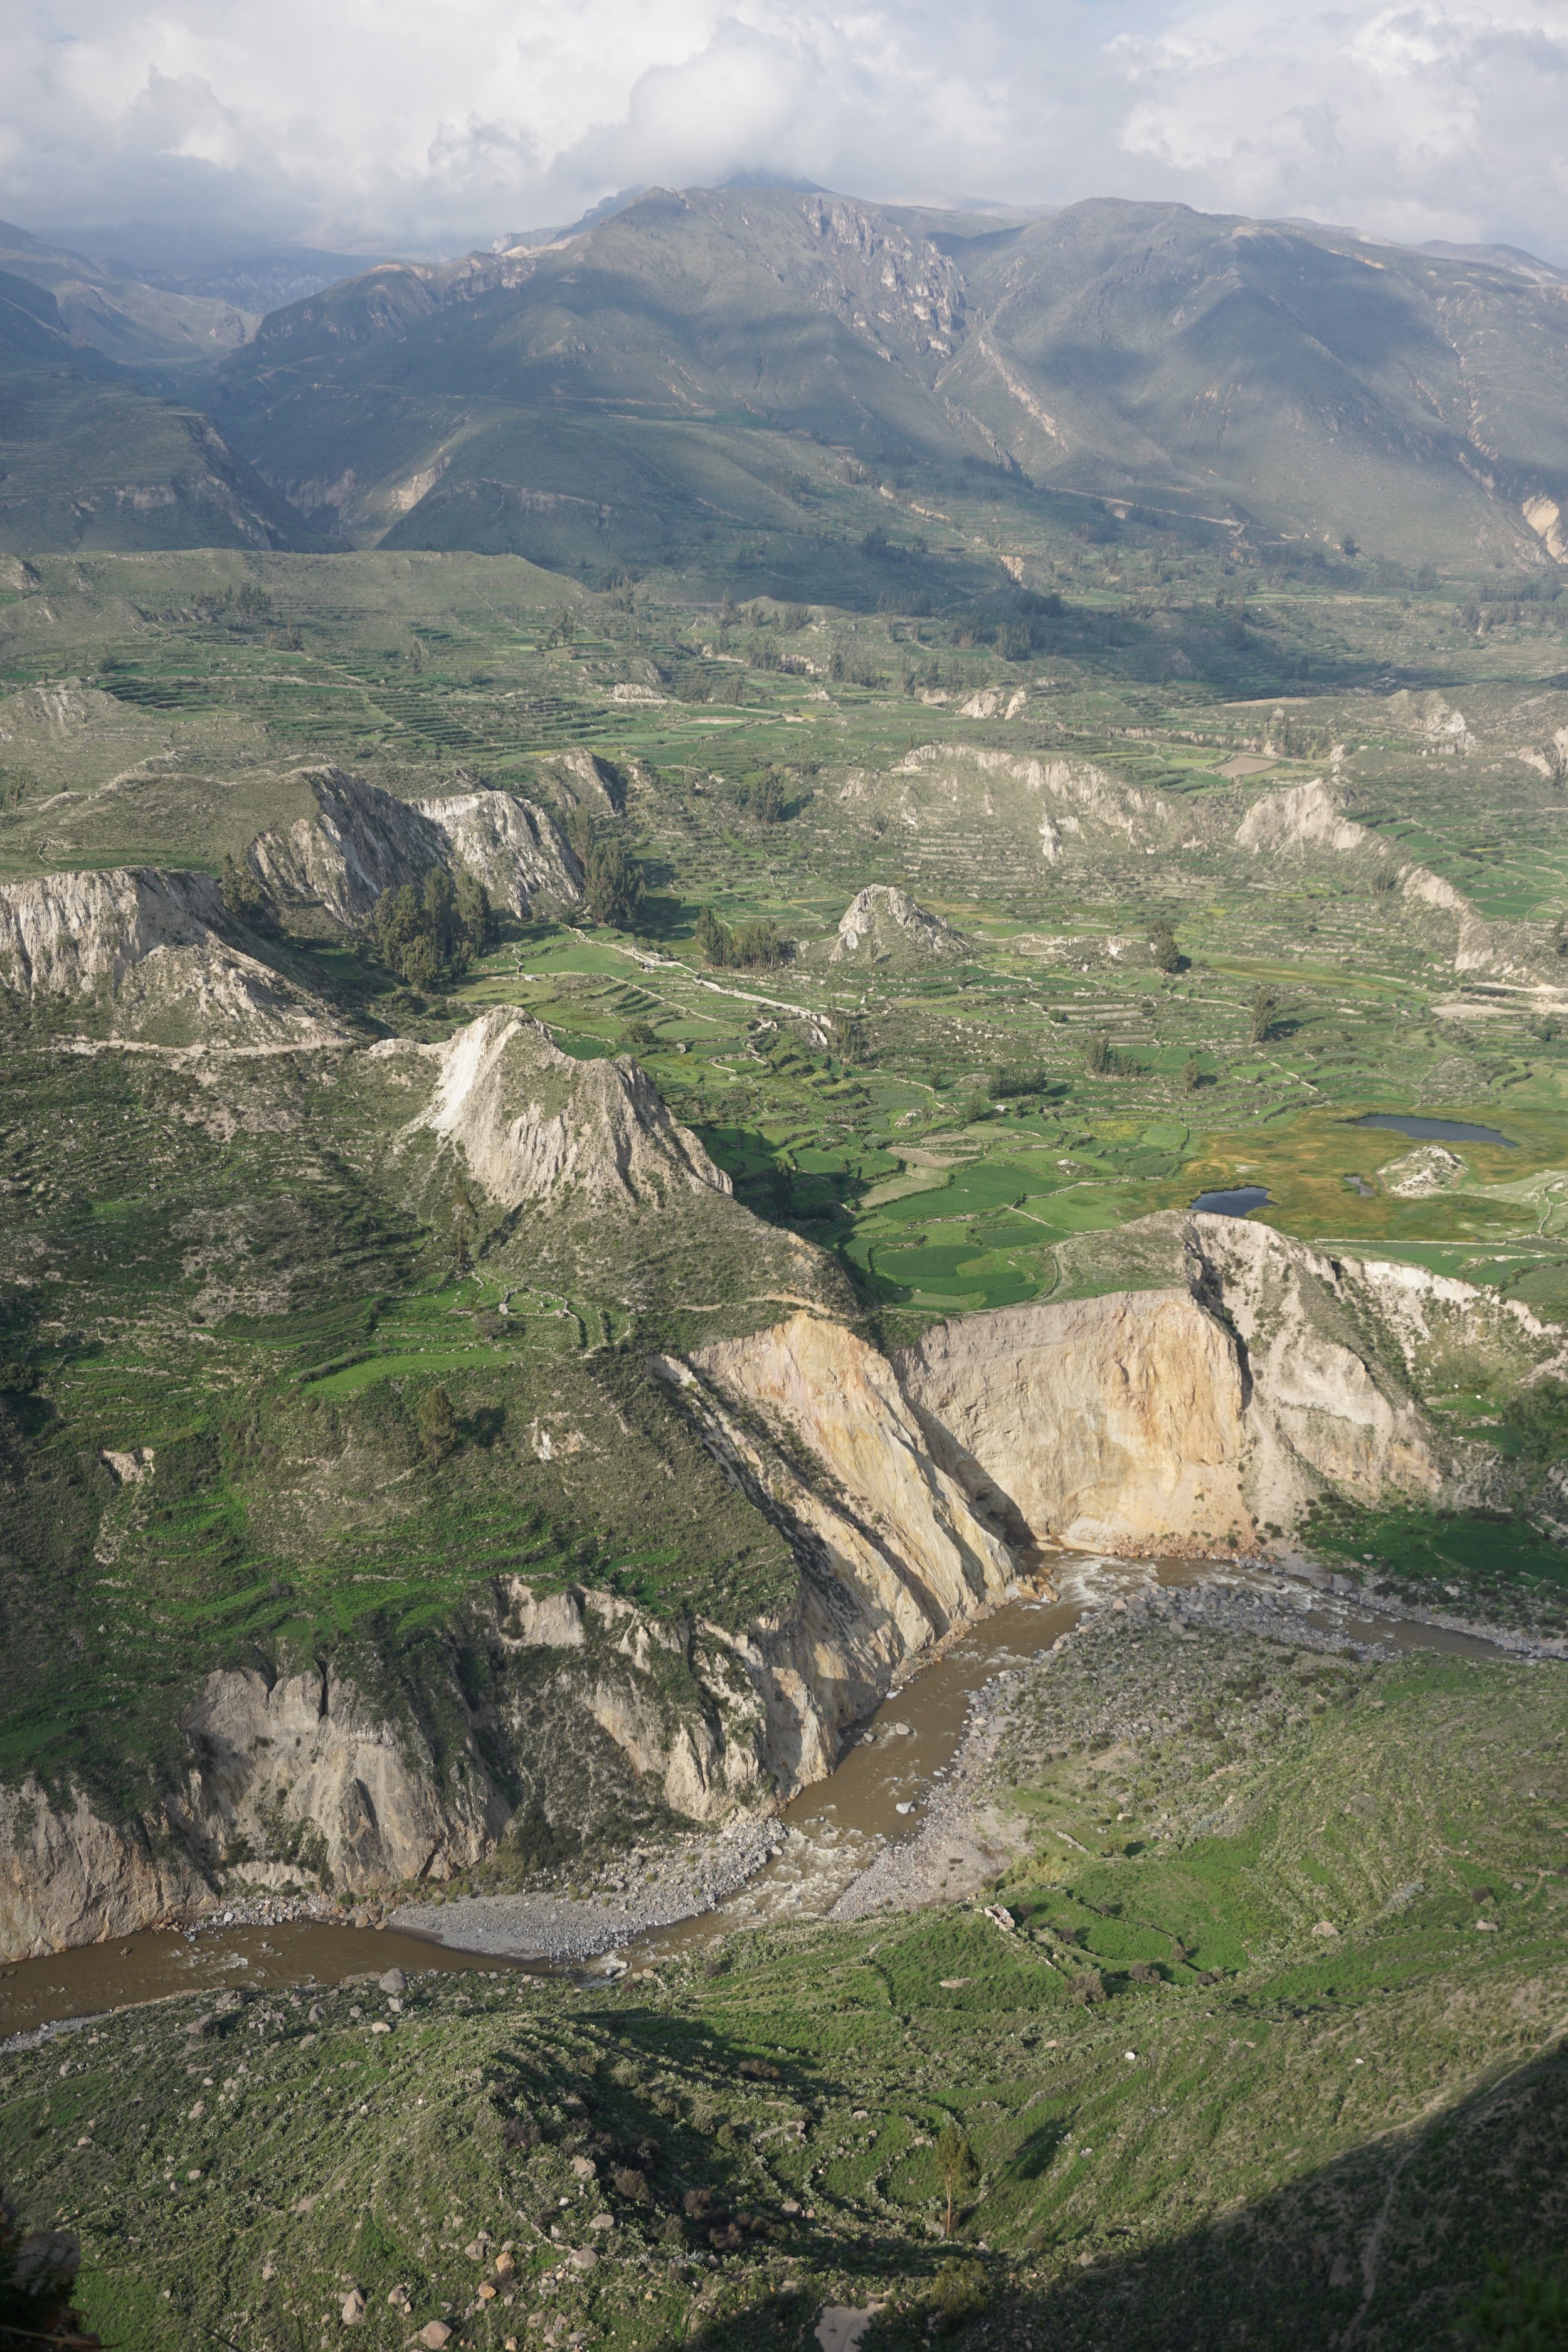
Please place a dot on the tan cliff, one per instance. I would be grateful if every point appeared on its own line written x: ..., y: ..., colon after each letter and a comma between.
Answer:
x: 1195, y: 1416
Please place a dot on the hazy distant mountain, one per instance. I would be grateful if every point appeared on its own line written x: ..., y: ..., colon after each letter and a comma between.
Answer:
x: 123, y: 316
x: 1304, y: 380
x: 1502, y: 256
x: 1295, y: 378
x: 253, y: 274
x: 87, y: 460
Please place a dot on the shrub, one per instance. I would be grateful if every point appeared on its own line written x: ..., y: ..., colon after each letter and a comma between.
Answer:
x: 957, y: 2163
x: 439, y: 1431
x: 1520, y: 2309
x: 959, y: 2293
x: 1087, y: 1987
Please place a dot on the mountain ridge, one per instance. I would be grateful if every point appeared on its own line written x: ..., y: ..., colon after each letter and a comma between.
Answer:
x: 1309, y: 382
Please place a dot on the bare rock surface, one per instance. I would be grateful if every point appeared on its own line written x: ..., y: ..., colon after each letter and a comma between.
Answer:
x: 516, y: 850
x: 361, y: 840
x: 882, y: 923
x: 147, y: 945
x: 532, y: 1123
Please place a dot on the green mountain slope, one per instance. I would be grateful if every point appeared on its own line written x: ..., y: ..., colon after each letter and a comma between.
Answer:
x: 87, y: 460
x: 1316, y: 385
x: 612, y: 392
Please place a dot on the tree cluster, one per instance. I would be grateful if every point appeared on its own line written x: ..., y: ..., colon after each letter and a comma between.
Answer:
x: 751, y: 946
x: 244, y: 898
x: 614, y: 885
x: 430, y: 933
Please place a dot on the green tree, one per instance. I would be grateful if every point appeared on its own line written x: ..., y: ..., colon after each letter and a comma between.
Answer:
x: 462, y: 1225
x: 1263, y: 1011
x: 427, y: 933
x: 613, y: 885
x: 1097, y: 1056
x: 757, y: 947
x: 244, y: 899
x: 764, y: 797
x: 713, y: 939
x: 1167, y: 956
x: 439, y: 1431
x: 958, y: 2165
x: 475, y: 913
x: 1192, y: 1073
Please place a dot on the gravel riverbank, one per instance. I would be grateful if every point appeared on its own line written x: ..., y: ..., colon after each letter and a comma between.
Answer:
x: 651, y: 1890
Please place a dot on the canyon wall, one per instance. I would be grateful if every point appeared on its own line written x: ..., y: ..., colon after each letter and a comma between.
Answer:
x: 1197, y: 1417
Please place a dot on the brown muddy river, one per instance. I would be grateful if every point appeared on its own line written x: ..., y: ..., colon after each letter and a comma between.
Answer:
x: 827, y: 1834
x: 151, y: 1966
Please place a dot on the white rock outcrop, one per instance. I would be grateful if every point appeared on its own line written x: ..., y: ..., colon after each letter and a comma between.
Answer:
x: 532, y: 1123
x: 1305, y: 816
x: 360, y: 841
x: 1312, y: 816
x: 147, y: 944
x: 1063, y: 802
x: 882, y: 921
x: 1417, y: 1174
x: 517, y: 851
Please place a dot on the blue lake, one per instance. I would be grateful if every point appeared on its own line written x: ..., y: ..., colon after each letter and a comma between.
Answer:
x: 1434, y: 1130
x: 1237, y: 1204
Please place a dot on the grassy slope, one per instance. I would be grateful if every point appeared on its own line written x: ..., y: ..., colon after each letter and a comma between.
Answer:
x: 1330, y: 2132
x: 96, y: 464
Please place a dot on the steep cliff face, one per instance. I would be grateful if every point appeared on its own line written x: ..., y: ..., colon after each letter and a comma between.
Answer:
x: 1213, y: 1412
x: 517, y: 851
x: 361, y: 841
x: 67, y: 1876
x: 146, y: 946
x: 302, y: 1780
x: 1109, y: 1422
x: 1193, y: 1417
x: 893, y: 1551
x: 532, y: 1123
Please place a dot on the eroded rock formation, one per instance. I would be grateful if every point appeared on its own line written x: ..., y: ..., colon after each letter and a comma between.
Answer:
x: 533, y: 1122
x: 146, y: 947
x: 1195, y: 1416
x: 361, y: 840
x: 882, y: 923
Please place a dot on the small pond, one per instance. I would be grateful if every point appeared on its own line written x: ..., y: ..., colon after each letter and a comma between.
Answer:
x: 1434, y: 1130
x: 1238, y: 1202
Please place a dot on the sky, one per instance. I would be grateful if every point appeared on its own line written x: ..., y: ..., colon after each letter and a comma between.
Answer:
x: 400, y: 125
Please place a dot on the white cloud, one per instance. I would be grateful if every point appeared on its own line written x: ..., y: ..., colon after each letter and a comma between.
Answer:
x: 386, y: 123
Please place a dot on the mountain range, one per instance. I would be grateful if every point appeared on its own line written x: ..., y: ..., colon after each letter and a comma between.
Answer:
x: 709, y: 361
